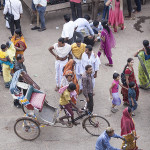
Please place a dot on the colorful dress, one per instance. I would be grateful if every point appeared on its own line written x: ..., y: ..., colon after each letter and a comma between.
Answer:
x: 116, y: 99
x: 128, y: 130
x: 116, y: 13
x: 131, y: 78
x: 144, y: 70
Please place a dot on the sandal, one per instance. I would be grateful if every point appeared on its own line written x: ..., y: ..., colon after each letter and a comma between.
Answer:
x: 110, y: 65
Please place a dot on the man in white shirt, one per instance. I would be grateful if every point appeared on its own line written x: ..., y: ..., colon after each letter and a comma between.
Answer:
x: 89, y: 58
x: 41, y: 8
x: 14, y: 7
x: 68, y: 30
x: 61, y: 51
x: 81, y: 24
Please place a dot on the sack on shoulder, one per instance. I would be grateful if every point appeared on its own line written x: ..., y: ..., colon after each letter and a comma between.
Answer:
x: 9, y: 17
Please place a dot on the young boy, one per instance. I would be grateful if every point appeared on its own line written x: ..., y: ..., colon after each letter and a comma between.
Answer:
x: 132, y: 96
x: 88, y: 87
x: 65, y: 102
x: 4, y: 58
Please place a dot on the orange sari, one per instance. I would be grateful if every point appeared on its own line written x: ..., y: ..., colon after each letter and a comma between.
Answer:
x: 20, y: 42
x: 69, y: 66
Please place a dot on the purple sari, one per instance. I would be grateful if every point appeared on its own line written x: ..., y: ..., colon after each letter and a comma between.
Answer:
x: 109, y: 42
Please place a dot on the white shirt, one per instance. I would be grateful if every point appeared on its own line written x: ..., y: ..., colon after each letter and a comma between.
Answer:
x: 15, y: 8
x: 41, y: 2
x: 82, y: 23
x: 93, y: 61
x: 62, y: 51
x: 68, y: 30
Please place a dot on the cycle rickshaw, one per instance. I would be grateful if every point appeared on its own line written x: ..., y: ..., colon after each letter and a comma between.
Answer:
x: 38, y: 113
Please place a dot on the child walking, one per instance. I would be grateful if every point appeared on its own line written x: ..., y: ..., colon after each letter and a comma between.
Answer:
x: 114, y: 95
x: 132, y: 96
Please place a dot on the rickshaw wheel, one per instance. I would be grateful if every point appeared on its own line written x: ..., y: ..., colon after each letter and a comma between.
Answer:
x: 27, y: 128
x: 95, y: 125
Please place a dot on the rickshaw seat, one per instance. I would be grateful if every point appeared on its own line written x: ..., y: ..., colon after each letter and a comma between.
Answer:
x: 35, y: 97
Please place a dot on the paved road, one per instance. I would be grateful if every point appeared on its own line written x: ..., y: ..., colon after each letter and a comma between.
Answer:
x: 40, y: 66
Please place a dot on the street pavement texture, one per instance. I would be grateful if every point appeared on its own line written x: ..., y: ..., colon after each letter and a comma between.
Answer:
x: 40, y: 66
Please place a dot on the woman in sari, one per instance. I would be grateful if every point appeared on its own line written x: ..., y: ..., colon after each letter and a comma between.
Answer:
x: 130, y: 77
x: 70, y: 66
x: 144, y: 65
x: 128, y: 130
x: 107, y: 43
x: 19, y: 42
x: 116, y: 18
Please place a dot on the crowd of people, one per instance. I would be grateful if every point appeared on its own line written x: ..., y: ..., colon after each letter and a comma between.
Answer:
x: 76, y: 63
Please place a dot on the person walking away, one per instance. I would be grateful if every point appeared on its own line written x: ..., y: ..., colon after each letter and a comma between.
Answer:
x: 68, y: 30
x: 105, y: 11
x: 138, y: 5
x: 107, y: 43
x: 144, y: 63
x: 81, y: 24
x: 88, y: 88
x: 128, y: 130
x: 130, y: 77
x: 78, y: 49
x: 116, y: 18
x: 95, y: 7
x: 132, y: 97
x: 66, y: 104
x: 76, y: 9
x: 114, y: 95
x: 61, y: 51
x: 89, y: 58
x: 14, y: 7
x: 129, y: 5
x: 19, y: 42
x: 103, y: 140
x: 41, y: 8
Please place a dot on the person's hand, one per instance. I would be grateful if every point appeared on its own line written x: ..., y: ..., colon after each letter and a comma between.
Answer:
x: 111, y: 97
x: 136, y: 137
x: 90, y: 37
x: 87, y: 99
x: 79, y: 110
x: 95, y: 75
x: 132, y: 103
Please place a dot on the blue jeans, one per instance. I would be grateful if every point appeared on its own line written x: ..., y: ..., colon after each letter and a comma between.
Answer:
x: 105, y: 12
x: 138, y: 4
x: 0, y: 68
x: 135, y: 104
x: 41, y: 11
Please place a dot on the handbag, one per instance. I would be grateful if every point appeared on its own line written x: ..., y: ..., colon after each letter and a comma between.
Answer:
x: 9, y: 16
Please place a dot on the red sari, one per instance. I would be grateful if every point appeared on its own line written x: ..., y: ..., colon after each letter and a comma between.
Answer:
x: 131, y: 78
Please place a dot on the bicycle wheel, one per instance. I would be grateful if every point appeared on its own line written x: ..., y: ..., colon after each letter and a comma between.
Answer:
x: 27, y: 129
x: 95, y: 125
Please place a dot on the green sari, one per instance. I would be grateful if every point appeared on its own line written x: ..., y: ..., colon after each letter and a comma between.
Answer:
x: 144, y: 71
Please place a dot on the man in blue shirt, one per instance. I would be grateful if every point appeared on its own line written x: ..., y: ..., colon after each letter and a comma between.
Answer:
x: 103, y: 140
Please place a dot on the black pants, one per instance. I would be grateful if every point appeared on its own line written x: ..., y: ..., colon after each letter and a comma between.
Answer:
x: 138, y: 4
x: 129, y: 7
x: 76, y: 10
x: 13, y: 24
x: 90, y: 103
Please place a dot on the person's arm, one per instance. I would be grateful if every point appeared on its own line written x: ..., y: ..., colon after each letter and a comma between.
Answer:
x: 108, y: 3
x: 51, y: 51
x: 110, y: 90
x: 95, y: 75
x: 90, y: 29
x: 108, y: 146
x: 132, y: 101
x: 85, y: 92
x: 21, y: 48
x: 3, y: 59
x: 20, y: 9
x: 123, y: 86
x: 135, y: 55
x: 6, y: 9
x: 9, y: 59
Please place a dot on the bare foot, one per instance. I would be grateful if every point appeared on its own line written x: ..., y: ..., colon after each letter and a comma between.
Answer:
x: 56, y: 89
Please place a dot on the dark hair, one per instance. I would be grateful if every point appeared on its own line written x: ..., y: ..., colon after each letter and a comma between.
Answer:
x: 18, y: 32
x: 78, y: 40
x: 87, y: 67
x: 8, y: 44
x: 131, y: 84
x: 67, y: 18
x: 129, y: 110
x: 89, y: 47
x: 95, y: 23
x: 61, y: 40
x: 115, y: 75
x: 128, y: 61
x: 146, y: 45
x: 72, y: 86
x: 19, y: 57
x: 3, y: 46
x: 87, y: 17
x: 105, y: 26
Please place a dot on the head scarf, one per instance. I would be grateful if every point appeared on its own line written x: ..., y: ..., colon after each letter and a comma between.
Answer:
x: 69, y: 66
x: 127, y: 124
